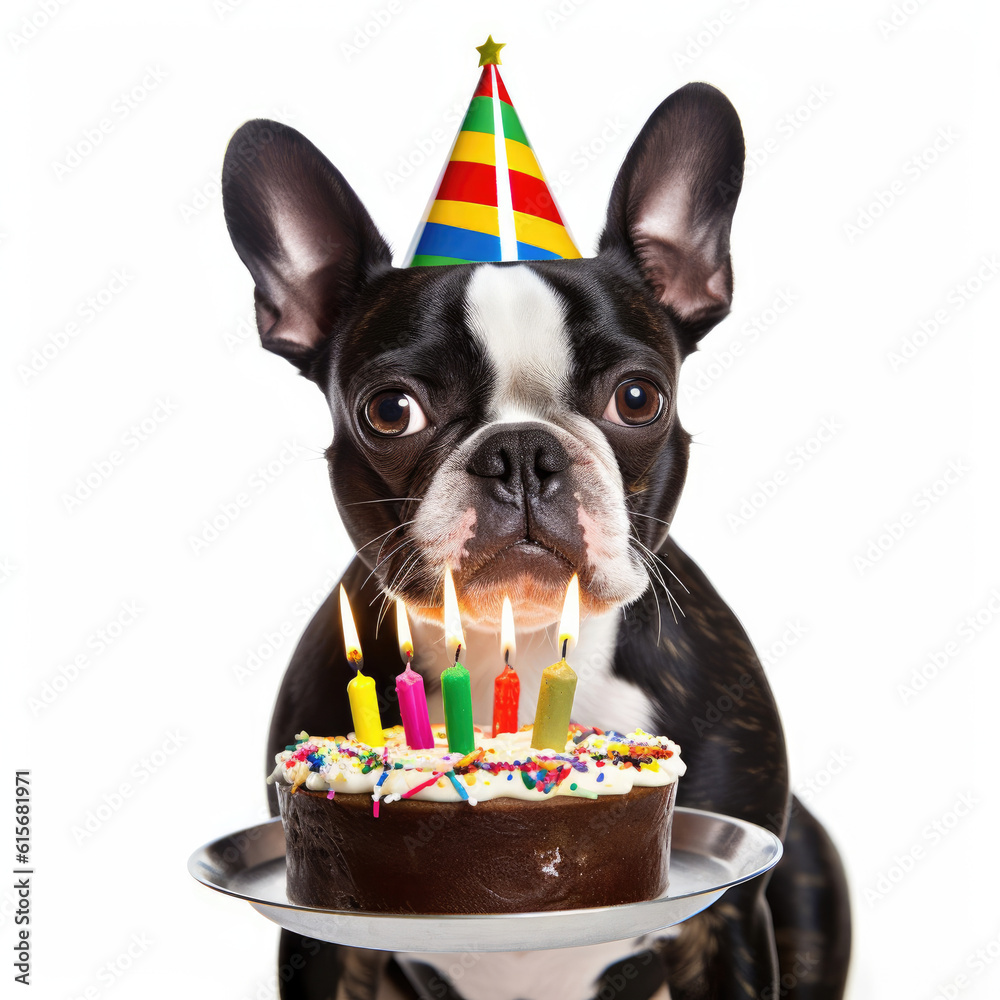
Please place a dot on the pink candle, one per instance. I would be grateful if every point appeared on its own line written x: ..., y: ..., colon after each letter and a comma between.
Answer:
x: 410, y: 690
x: 413, y: 709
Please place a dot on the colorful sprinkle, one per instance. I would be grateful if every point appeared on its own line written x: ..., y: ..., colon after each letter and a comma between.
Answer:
x: 450, y: 775
x: 347, y: 764
x: 419, y: 788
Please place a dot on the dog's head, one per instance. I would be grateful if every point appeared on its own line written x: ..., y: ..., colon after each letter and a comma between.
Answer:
x: 516, y: 422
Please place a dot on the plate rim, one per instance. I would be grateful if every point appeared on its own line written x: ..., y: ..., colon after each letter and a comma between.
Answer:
x: 775, y: 844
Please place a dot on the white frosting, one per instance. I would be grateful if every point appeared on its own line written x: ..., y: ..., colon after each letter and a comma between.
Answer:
x: 338, y: 765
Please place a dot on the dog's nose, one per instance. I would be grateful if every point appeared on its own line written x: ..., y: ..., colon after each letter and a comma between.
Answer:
x: 519, y: 460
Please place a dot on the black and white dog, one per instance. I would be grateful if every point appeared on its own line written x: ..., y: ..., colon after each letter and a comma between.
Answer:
x: 518, y: 423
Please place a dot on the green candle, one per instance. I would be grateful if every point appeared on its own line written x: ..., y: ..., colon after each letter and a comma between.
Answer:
x: 555, y: 706
x: 456, y: 693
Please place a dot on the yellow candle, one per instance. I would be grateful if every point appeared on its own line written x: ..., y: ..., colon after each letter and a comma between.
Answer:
x: 555, y: 706
x: 361, y: 690
x: 364, y: 710
x: 555, y: 697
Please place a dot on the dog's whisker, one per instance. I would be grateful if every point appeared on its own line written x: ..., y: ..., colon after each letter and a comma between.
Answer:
x: 379, y: 562
x: 656, y: 556
x: 382, y: 611
x: 358, y: 503
x: 378, y: 555
x: 652, y: 586
x: 672, y: 602
x: 637, y: 513
x: 398, y: 578
x: 662, y: 561
x: 395, y: 527
x: 650, y: 559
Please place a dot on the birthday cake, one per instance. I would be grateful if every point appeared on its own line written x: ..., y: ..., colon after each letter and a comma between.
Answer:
x: 504, y: 829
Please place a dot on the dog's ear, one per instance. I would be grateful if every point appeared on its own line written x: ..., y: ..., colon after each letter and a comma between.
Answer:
x: 672, y: 205
x: 302, y: 233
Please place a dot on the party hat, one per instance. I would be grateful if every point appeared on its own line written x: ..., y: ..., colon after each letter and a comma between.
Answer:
x: 491, y: 202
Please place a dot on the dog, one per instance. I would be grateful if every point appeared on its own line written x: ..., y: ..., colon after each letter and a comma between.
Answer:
x: 517, y: 422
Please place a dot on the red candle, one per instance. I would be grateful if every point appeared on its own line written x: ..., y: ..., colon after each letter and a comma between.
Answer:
x: 507, y: 686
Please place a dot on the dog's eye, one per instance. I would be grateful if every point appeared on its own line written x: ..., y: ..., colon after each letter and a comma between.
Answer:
x: 635, y: 402
x: 394, y: 414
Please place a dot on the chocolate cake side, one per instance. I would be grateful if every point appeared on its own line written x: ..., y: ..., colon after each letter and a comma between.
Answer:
x: 502, y: 855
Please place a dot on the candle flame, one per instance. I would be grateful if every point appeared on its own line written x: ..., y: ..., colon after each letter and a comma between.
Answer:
x: 508, y: 644
x: 352, y: 644
x: 403, y: 632
x: 453, y: 635
x: 569, y: 624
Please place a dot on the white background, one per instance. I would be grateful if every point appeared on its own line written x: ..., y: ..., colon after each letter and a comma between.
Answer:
x: 176, y: 707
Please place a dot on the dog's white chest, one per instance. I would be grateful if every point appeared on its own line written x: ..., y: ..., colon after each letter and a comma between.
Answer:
x: 562, y: 974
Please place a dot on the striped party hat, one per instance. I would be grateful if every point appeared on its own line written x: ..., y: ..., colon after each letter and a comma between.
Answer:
x: 492, y: 202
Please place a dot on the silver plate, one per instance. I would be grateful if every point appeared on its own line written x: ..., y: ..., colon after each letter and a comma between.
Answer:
x: 710, y: 853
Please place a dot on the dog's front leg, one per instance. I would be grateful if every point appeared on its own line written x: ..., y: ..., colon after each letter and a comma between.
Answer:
x: 727, y: 952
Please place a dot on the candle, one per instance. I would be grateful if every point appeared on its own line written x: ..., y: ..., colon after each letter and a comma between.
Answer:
x: 555, y: 698
x: 410, y: 690
x: 456, y: 685
x: 507, y: 686
x: 361, y: 690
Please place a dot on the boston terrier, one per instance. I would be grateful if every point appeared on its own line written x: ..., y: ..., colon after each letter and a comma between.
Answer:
x: 517, y: 422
